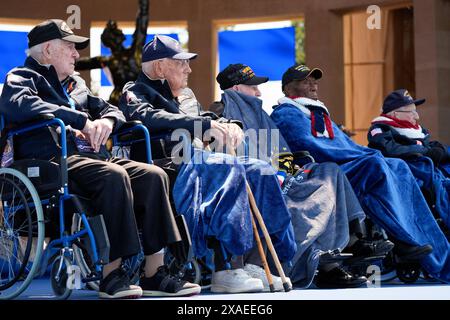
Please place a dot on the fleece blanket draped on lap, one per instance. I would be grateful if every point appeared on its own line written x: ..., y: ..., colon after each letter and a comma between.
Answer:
x: 210, y: 191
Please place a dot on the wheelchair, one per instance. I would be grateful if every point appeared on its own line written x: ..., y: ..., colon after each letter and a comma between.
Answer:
x: 32, y: 192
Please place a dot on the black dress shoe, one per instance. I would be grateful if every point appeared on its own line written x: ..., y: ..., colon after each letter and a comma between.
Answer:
x: 338, y: 278
x: 408, y: 253
x: 370, y: 248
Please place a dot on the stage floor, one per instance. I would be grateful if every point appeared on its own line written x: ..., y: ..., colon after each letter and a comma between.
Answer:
x: 40, y: 289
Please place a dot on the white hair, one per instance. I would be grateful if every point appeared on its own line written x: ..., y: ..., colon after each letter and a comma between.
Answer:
x: 35, y: 51
x: 148, y: 68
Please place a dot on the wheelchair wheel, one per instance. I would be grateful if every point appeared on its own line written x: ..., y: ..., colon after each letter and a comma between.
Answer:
x: 21, y: 232
x: 84, y: 261
x: 388, y: 268
x: 408, y: 272
x: 59, y: 275
x: 81, y: 253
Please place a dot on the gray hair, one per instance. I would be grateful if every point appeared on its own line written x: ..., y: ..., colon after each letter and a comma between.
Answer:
x: 35, y: 51
x: 149, y: 69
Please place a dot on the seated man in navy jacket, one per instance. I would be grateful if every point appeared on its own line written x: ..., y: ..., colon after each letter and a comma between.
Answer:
x: 47, y: 84
x: 397, y: 134
x: 211, y: 193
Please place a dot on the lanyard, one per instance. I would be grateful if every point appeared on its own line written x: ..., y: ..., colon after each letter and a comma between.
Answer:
x: 71, y: 101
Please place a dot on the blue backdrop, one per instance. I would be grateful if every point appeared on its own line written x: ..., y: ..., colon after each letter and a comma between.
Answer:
x: 12, y: 51
x: 269, y: 52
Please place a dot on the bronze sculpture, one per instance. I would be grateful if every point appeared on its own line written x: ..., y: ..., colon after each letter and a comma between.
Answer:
x: 124, y: 64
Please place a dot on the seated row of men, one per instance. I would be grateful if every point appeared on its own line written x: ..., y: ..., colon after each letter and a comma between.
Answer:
x: 309, y: 210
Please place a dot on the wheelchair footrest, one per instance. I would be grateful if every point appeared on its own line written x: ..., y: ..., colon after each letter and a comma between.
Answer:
x: 357, y: 261
x: 92, y: 277
x: 334, y: 256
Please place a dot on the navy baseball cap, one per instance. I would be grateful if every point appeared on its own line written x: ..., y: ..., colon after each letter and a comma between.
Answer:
x: 55, y: 29
x: 236, y: 74
x: 399, y: 98
x: 165, y: 47
x: 299, y: 72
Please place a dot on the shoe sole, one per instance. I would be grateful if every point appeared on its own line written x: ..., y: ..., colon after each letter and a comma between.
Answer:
x: 129, y: 294
x: 181, y: 293
x: 225, y: 289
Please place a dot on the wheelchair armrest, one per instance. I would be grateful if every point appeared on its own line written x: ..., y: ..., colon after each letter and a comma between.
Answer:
x: 45, y: 116
x: 36, y: 121
x: 128, y: 125
x: 130, y: 133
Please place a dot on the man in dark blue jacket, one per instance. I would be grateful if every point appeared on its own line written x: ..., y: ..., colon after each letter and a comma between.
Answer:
x: 397, y: 134
x: 210, y: 193
x: 46, y: 84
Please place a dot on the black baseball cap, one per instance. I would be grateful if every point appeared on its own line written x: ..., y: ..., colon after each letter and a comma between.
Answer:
x: 236, y: 74
x: 55, y: 29
x: 399, y: 98
x: 165, y: 47
x: 299, y: 72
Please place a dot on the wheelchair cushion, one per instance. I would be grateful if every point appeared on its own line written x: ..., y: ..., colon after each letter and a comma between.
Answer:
x: 45, y: 175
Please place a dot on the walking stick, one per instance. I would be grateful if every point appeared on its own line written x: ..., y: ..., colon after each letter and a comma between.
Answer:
x: 270, y: 246
x: 262, y: 255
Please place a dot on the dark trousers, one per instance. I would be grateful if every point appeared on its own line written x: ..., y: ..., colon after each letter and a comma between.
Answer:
x: 119, y: 188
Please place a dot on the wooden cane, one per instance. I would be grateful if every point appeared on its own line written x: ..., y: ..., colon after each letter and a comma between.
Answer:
x: 270, y: 246
x: 262, y: 254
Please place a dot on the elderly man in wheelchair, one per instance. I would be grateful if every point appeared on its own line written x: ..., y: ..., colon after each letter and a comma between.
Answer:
x: 117, y: 189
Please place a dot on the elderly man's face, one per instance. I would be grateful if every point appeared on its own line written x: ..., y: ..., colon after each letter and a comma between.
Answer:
x: 62, y: 55
x: 307, y: 88
x: 406, y: 113
x: 248, y: 90
x: 176, y: 72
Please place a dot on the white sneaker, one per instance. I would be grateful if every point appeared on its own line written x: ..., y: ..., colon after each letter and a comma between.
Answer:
x: 257, y: 272
x: 234, y: 281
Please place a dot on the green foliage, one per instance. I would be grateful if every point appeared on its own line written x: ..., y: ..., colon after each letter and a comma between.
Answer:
x: 299, y: 26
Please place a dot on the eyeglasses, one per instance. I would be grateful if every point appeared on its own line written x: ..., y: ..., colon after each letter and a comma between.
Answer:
x: 183, y: 62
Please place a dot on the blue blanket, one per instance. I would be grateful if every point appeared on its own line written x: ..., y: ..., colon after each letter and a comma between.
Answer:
x: 263, y: 135
x: 210, y: 191
x: 385, y: 187
x: 430, y: 178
